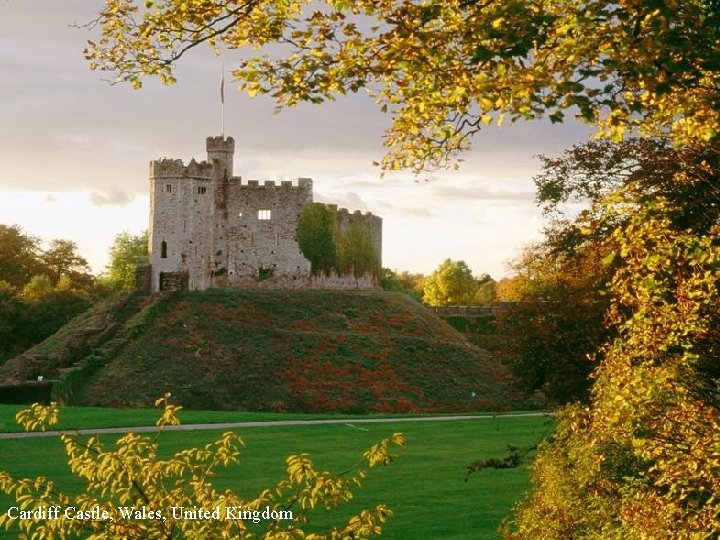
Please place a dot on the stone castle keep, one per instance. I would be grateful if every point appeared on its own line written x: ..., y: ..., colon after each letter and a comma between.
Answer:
x: 209, y: 228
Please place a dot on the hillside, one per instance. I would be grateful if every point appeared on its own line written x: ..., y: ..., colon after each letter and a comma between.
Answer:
x: 52, y: 368
x: 290, y: 351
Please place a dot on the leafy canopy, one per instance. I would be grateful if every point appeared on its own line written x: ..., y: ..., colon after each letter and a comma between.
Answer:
x: 641, y: 461
x: 40, y: 290
x: 133, y: 475
x: 404, y: 282
x: 562, y: 283
x: 551, y: 332
x: 442, y: 69
x: 19, y: 256
x: 127, y: 253
x: 452, y: 283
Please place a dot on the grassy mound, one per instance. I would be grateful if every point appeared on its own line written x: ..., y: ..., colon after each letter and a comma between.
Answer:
x: 309, y: 351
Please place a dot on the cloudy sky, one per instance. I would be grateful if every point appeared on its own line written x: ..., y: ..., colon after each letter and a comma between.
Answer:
x: 74, y: 151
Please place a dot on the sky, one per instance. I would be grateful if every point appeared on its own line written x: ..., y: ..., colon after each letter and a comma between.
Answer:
x: 74, y: 151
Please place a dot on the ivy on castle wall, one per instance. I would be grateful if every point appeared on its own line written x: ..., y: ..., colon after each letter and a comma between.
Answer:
x: 356, y: 254
x: 331, y: 246
x: 317, y: 232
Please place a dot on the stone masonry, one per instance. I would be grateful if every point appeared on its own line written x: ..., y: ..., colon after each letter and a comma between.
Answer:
x: 209, y: 228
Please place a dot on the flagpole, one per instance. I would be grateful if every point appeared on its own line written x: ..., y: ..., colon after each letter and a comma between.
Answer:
x: 222, y: 99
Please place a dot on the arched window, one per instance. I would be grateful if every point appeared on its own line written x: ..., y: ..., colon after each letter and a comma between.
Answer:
x: 163, y: 249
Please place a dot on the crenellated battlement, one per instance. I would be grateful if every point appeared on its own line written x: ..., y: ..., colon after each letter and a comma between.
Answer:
x: 221, y: 151
x: 219, y: 144
x: 344, y: 213
x: 175, y: 168
x: 300, y: 183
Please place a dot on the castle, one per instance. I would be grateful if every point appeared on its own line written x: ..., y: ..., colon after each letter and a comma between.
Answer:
x: 209, y: 228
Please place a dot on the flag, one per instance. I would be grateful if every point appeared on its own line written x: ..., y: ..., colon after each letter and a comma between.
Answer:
x: 222, y: 86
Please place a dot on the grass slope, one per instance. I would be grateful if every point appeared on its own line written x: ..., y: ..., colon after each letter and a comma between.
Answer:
x: 63, y: 343
x: 297, y: 351
x: 424, y: 487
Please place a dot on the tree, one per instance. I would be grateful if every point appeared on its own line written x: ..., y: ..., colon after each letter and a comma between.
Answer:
x: 36, y: 313
x: 641, y: 459
x: 37, y: 288
x: 62, y: 259
x: 404, y: 282
x: 511, y: 288
x: 443, y: 70
x: 33, y: 305
x: 28, y: 318
x: 485, y: 294
x: 560, y: 323
x: 552, y: 331
x: 642, y: 169
x: 19, y: 256
x: 127, y: 253
x: 451, y: 283
x: 9, y: 309
x: 41, y: 316
x: 129, y: 491
x: 22, y: 259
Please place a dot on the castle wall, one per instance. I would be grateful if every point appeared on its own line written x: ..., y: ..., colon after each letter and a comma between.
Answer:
x: 297, y: 282
x: 256, y: 234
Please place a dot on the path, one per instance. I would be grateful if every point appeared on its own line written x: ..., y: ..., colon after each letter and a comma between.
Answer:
x: 235, y: 425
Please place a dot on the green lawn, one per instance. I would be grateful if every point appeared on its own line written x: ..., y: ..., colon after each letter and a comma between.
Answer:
x: 425, y: 487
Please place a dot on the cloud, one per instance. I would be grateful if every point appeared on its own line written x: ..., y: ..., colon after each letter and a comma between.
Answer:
x: 363, y: 184
x: 479, y: 193
x: 356, y: 202
x: 409, y: 211
x: 112, y: 195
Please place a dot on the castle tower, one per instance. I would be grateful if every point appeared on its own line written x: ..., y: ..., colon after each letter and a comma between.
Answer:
x: 181, y: 220
x: 222, y: 150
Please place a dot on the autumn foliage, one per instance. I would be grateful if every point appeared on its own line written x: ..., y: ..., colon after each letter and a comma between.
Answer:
x: 642, y: 460
x: 445, y: 70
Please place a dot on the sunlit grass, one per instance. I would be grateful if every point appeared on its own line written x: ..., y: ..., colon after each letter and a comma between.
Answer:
x: 425, y: 487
